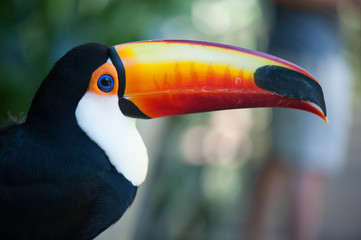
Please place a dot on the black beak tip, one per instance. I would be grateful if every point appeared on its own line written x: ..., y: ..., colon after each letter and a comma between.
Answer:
x: 290, y: 83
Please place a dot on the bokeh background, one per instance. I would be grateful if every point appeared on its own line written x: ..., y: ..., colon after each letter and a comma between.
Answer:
x: 203, y: 166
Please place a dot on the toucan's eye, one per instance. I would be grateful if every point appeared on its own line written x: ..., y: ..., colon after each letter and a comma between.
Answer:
x: 105, y: 83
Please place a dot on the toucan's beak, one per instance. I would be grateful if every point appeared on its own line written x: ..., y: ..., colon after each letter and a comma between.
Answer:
x: 171, y: 77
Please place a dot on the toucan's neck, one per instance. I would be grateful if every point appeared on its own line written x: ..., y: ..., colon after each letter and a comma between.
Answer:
x: 53, y: 109
x: 52, y: 122
x: 67, y: 142
x: 101, y: 119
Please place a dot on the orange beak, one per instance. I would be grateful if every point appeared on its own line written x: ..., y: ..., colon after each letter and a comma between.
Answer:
x: 172, y: 77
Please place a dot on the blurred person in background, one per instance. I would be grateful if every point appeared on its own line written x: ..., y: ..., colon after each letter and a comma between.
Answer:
x: 305, y: 150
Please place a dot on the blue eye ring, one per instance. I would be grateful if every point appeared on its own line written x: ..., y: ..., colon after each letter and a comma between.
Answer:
x: 105, y: 83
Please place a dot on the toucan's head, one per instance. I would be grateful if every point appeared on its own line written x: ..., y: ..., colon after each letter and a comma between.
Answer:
x: 102, y: 89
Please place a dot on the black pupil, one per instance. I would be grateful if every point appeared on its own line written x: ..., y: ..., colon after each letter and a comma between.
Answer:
x: 105, y: 81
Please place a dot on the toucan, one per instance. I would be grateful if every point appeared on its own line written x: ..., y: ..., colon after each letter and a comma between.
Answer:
x: 73, y: 167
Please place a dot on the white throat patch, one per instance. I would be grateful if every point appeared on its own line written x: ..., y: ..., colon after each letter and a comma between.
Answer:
x: 101, y: 119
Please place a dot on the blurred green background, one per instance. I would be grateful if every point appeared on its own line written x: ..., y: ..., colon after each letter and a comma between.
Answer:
x: 202, y: 166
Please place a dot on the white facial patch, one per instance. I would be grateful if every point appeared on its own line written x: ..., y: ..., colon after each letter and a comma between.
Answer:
x: 100, y: 118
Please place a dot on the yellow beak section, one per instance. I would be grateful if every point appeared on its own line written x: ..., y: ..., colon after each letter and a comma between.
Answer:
x: 173, y: 77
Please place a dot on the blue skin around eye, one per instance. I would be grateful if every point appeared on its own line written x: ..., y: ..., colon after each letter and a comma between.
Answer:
x: 105, y: 88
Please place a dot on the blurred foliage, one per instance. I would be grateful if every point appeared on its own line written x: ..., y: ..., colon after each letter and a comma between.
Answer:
x: 195, y: 190
x: 350, y: 18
